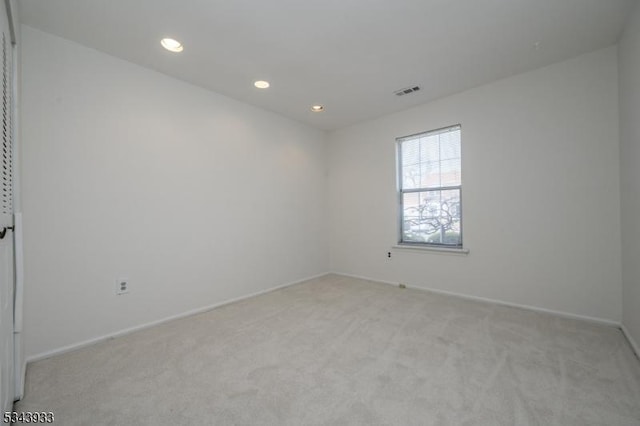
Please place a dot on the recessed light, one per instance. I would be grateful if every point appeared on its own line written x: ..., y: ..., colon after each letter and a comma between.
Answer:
x: 261, y: 84
x: 172, y: 45
x: 317, y: 108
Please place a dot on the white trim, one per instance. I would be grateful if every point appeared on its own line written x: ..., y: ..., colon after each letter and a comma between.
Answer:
x: 18, y: 253
x: 85, y: 343
x: 495, y: 301
x: 102, y: 338
x: 437, y: 249
x: 630, y: 339
x: 12, y: 19
x: 20, y: 367
x: 360, y: 277
x: 19, y: 362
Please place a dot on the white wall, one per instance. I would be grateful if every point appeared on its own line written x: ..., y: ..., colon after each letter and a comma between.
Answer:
x: 629, y: 66
x: 195, y: 197
x: 199, y: 199
x: 540, y: 191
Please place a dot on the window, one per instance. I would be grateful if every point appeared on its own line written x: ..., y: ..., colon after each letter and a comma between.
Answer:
x: 430, y: 188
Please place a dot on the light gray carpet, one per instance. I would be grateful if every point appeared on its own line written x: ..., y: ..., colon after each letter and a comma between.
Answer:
x: 338, y: 351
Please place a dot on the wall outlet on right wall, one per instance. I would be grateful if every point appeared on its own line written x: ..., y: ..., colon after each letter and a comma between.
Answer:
x: 123, y: 286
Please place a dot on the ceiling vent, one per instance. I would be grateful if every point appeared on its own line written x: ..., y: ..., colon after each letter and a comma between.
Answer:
x: 406, y: 90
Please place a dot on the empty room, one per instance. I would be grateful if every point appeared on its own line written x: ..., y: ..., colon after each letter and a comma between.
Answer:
x: 362, y: 212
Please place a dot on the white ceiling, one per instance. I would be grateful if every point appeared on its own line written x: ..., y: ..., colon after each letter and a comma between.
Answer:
x: 349, y: 55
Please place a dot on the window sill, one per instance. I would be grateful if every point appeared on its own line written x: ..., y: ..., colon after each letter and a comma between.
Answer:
x: 443, y: 250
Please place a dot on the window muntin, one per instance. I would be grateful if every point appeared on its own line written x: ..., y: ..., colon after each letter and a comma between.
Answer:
x: 430, y: 188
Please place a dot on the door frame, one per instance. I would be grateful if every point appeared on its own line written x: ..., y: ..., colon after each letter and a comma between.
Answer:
x: 19, y: 367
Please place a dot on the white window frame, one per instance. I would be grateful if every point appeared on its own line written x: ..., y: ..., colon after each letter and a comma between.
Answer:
x: 401, y: 191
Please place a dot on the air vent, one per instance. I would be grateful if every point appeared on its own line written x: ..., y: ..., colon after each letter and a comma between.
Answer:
x: 407, y: 90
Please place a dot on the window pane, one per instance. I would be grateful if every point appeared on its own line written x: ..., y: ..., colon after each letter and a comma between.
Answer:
x: 450, y: 172
x: 430, y: 175
x: 450, y: 145
x: 431, y: 161
x: 430, y: 148
x: 411, y: 176
x: 432, y: 217
x: 411, y: 168
x: 411, y: 152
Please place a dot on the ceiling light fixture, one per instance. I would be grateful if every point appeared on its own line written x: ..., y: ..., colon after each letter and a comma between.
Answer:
x: 261, y: 84
x: 317, y: 108
x: 172, y: 45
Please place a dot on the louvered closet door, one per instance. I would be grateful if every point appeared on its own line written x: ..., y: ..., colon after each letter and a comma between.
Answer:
x: 6, y: 220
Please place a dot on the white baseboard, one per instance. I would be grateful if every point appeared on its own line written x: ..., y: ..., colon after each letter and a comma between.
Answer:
x: 630, y: 339
x: 85, y: 343
x: 494, y: 301
x: 361, y: 277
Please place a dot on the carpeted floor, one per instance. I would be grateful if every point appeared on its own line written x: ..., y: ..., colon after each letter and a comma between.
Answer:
x: 342, y: 351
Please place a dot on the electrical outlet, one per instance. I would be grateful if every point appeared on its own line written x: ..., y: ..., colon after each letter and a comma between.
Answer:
x: 123, y: 286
